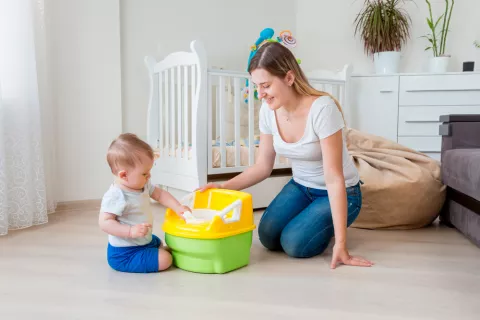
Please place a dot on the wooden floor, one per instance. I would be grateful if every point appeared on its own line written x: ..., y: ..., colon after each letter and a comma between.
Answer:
x: 59, y: 271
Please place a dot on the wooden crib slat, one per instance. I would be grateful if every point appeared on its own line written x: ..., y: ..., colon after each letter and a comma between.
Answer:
x: 210, y: 122
x: 172, y: 111
x: 340, y: 97
x: 185, y: 113
x: 237, y: 96
x: 336, y: 91
x: 217, y: 112
x: 229, y: 90
x: 194, y: 107
x: 161, y: 106
x: 251, y: 124
x: 221, y: 89
x: 179, y: 110
x: 167, y: 114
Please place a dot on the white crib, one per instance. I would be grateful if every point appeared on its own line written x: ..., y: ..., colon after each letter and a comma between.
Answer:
x: 203, y: 129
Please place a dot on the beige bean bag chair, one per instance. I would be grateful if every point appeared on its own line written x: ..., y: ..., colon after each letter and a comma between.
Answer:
x: 402, y: 188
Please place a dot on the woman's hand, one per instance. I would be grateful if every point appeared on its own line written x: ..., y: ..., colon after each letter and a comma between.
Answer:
x: 340, y: 254
x: 211, y: 185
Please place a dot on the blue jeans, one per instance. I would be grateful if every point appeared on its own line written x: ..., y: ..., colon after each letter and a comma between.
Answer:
x: 299, y: 220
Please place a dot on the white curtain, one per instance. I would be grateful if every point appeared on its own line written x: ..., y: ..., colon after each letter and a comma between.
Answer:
x: 27, y: 153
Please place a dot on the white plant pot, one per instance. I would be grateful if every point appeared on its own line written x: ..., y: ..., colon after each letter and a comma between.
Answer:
x: 438, y: 64
x: 386, y: 62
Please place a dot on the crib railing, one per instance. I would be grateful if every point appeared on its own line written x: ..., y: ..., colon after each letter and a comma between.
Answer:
x: 175, y: 112
x: 229, y: 95
x: 176, y: 117
x: 225, y: 98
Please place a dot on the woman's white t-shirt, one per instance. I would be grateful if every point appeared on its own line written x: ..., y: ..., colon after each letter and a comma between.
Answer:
x: 324, y: 119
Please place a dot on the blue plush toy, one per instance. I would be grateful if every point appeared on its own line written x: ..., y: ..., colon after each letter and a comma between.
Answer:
x: 266, y: 35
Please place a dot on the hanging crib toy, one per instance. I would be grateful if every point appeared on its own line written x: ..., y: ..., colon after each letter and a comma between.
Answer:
x: 267, y: 35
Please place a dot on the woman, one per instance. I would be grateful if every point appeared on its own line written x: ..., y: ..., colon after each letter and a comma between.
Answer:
x: 304, y: 125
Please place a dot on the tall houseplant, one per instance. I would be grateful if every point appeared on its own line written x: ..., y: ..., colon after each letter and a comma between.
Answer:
x: 438, y: 37
x: 384, y: 28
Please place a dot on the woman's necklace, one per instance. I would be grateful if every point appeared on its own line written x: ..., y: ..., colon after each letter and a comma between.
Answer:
x: 287, y: 116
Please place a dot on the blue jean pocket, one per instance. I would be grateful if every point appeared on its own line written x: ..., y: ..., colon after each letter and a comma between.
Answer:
x: 354, y: 191
x: 354, y: 199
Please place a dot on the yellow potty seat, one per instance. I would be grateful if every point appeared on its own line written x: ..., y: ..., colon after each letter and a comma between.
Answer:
x: 217, y: 236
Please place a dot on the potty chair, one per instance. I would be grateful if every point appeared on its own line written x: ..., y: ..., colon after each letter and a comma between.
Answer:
x: 216, y: 236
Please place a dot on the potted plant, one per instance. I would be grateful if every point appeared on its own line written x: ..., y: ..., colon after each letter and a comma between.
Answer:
x: 384, y: 28
x: 438, y: 37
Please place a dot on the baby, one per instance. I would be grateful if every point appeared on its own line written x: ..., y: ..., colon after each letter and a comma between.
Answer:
x: 125, y: 212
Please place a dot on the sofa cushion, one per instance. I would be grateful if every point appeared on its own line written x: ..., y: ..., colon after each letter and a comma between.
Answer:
x: 461, y: 171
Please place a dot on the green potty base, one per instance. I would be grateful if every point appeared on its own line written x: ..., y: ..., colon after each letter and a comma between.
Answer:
x: 210, y: 256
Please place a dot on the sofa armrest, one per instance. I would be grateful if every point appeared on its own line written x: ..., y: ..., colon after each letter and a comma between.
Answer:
x: 460, y: 131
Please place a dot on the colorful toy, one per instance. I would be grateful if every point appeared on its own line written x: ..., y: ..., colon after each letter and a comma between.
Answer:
x: 266, y: 35
x: 216, y: 237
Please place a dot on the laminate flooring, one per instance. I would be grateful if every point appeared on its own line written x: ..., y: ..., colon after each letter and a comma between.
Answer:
x: 59, y: 271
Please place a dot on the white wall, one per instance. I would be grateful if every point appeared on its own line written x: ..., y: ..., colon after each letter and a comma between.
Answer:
x: 97, y: 50
x: 158, y: 27
x: 83, y: 40
x: 325, y: 28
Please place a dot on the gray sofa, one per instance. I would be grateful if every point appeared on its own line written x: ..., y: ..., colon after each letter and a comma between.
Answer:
x: 461, y: 173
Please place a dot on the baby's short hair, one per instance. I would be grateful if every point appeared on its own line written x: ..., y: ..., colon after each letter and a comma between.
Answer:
x: 126, y: 151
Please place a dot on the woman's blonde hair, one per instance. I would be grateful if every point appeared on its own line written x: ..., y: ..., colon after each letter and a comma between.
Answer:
x: 278, y: 60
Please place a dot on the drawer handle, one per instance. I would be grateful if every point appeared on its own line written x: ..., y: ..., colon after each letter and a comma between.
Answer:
x: 440, y: 90
x: 386, y: 91
x: 428, y: 151
x: 422, y: 121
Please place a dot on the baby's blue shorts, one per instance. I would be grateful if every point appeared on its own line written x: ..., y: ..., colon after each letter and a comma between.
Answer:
x: 136, y: 259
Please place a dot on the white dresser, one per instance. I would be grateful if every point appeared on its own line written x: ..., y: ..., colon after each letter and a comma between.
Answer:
x: 406, y: 107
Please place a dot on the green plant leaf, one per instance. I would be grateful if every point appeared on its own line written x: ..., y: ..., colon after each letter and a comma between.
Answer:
x: 430, y: 24
x: 382, y: 25
x: 439, y: 19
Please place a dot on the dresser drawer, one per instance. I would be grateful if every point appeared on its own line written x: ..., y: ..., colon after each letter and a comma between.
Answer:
x: 446, y: 90
x: 422, y: 144
x: 374, y: 106
x: 424, y: 120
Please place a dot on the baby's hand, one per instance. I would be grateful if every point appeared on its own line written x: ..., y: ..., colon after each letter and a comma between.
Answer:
x: 182, y: 209
x: 139, y: 230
